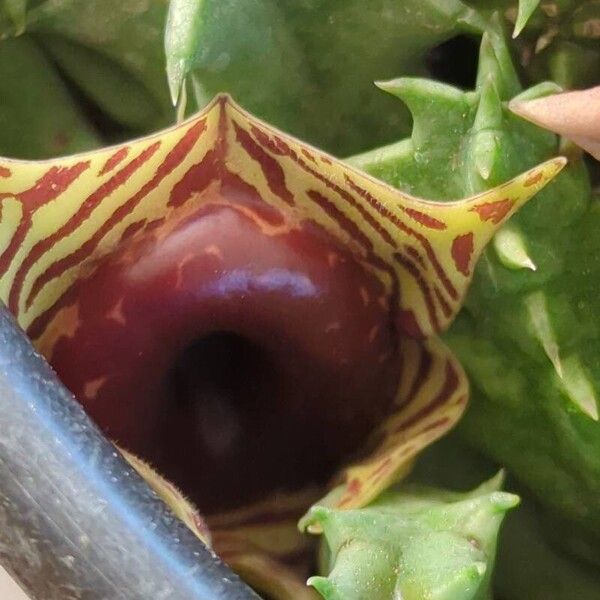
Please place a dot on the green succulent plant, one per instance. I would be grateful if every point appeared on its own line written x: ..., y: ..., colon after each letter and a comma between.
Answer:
x: 527, y: 564
x: 108, y: 50
x: 98, y: 66
x: 527, y: 336
x: 561, y: 41
x: 298, y: 48
x: 413, y: 543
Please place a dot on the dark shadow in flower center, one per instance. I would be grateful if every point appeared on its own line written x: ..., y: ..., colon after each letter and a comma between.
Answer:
x: 250, y: 417
x: 238, y: 363
x: 218, y: 382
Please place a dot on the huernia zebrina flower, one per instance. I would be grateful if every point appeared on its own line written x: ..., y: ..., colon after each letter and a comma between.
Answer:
x: 246, y: 313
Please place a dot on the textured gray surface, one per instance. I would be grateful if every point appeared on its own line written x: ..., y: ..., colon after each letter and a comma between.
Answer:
x: 76, y: 522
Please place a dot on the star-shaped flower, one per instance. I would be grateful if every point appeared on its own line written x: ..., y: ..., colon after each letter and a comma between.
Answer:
x: 140, y: 270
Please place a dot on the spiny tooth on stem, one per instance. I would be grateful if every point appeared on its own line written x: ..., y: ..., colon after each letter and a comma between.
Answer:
x: 480, y: 516
x: 412, y: 91
x: 325, y: 587
x: 488, y: 121
x: 537, y: 308
x: 176, y: 76
x: 485, y: 151
x: 422, y: 96
x: 489, y: 111
x: 17, y: 12
x: 526, y: 9
x: 181, y: 103
x: 181, y: 41
x: 511, y: 249
x: 486, y: 515
x: 578, y: 387
x: 318, y: 514
x: 495, y: 61
x: 503, y: 501
x: 494, y: 484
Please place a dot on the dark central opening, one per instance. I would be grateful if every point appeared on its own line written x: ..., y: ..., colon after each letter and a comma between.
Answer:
x: 232, y: 432
x: 211, y: 378
x: 220, y: 389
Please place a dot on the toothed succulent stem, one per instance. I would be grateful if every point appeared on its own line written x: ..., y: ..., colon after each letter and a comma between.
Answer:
x: 528, y: 336
x: 412, y: 543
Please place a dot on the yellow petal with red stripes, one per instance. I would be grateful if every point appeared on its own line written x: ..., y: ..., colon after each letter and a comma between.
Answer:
x: 60, y: 216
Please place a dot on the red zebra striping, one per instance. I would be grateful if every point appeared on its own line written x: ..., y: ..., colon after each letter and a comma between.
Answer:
x: 274, y: 144
x: 84, y: 211
x: 493, y: 211
x: 195, y: 180
x: 309, y: 156
x: 414, y: 253
x: 381, y: 469
x: 114, y: 160
x: 173, y: 159
x: 233, y: 186
x: 151, y: 225
x: 425, y: 364
x: 40, y: 323
x: 446, y: 308
x: 425, y: 219
x: 384, y: 234
x: 282, y: 148
x: 271, y: 169
x: 416, y: 274
x: 347, y: 224
x: 462, y: 249
x: 356, y: 234
x: 132, y: 229
x: 435, y: 425
x: 450, y: 385
x: 421, y: 238
x: 47, y: 188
